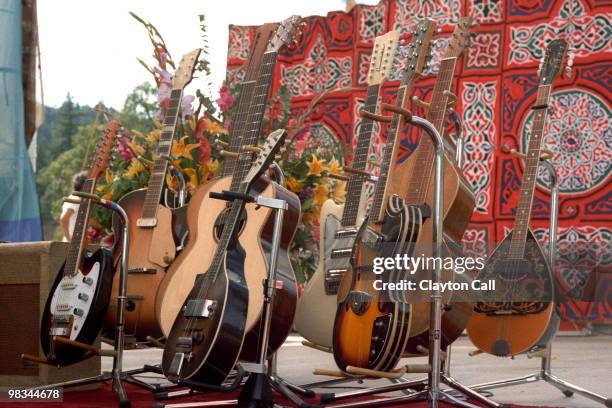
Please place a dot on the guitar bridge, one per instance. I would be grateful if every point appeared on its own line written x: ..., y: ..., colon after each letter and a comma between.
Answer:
x: 332, y: 280
x: 61, y: 325
x: 142, y: 271
x: 198, y: 308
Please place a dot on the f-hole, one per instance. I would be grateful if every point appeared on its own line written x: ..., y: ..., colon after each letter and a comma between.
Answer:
x: 220, y: 222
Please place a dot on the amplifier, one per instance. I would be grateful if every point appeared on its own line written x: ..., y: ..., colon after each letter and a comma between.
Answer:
x: 27, y: 272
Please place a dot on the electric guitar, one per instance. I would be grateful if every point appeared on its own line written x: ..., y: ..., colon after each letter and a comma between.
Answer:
x: 517, y: 316
x: 371, y: 326
x: 207, y: 336
x: 458, y: 204
x: 207, y: 219
x: 155, y: 230
x: 314, y: 318
x: 79, y: 297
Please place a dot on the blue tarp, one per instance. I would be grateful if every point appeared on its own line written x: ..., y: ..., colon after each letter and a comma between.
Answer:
x: 19, y: 211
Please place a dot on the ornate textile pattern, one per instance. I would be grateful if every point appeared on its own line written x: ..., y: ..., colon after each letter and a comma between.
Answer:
x: 496, y: 84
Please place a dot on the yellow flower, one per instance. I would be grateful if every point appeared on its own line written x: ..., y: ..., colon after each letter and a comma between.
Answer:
x: 134, y: 169
x: 108, y: 177
x: 180, y: 149
x: 339, y: 192
x: 172, y: 182
x: 137, y: 149
x: 214, y: 127
x: 334, y: 166
x: 294, y: 185
x: 212, y: 166
x: 315, y: 167
x: 192, y: 183
x: 320, y: 194
x: 153, y: 137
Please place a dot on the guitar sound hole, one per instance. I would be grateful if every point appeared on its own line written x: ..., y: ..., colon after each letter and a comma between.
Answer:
x: 220, y: 222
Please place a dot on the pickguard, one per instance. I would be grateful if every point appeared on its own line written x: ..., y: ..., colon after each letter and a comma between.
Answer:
x: 66, y: 300
x: 331, y: 244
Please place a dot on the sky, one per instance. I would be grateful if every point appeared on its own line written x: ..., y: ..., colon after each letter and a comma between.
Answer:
x: 89, y: 48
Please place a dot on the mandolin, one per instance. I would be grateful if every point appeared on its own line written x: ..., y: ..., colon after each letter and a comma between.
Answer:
x: 371, y: 326
x: 80, y: 295
x: 317, y: 304
x: 207, y: 218
x: 155, y: 230
x: 207, y: 336
x: 458, y: 204
x: 517, y: 316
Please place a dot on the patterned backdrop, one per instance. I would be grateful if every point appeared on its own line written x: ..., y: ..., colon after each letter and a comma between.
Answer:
x: 495, y: 84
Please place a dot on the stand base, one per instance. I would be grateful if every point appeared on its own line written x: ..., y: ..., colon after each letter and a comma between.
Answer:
x: 565, y: 387
x: 257, y: 392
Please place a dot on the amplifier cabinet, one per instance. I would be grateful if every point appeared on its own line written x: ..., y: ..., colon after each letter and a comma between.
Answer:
x: 27, y: 272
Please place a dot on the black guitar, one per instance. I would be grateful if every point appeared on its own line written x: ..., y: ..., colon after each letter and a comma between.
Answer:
x: 80, y: 295
x: 207, y: 336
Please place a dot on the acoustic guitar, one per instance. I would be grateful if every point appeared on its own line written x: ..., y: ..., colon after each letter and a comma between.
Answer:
x: 517, y: 316
x: 207, y: 218
x: 207, y: 336
x: 155, y: 230
x: 371, y: 325
x: 458, y: 204
x: 79, y: 297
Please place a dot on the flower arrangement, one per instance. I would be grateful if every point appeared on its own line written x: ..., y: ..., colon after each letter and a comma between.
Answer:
x: 306, y: 164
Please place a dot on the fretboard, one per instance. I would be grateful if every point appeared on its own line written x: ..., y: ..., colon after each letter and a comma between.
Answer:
x: 254, y: 114
x: 424, y: 155
x: 360, y: 160
x: 239, y: 126
x: 393, y: 134
x: 530, y: 175
x: 164, y: 150
x: 76, y: 248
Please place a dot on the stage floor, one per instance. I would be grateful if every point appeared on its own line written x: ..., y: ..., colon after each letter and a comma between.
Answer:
x: 584, y: 361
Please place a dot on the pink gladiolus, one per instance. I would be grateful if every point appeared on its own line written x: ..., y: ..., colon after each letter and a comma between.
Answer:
x: 123, y: 150
x: 225, y: 99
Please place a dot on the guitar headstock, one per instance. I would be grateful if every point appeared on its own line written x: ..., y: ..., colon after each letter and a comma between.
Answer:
x: 184, y: 73
x: 285, y: 34
x: 272, y: 145
x: 104, y: 149
x: 419, y: 48
x: 461, y: 38
x: 553, y: 62
x: 381, y: 60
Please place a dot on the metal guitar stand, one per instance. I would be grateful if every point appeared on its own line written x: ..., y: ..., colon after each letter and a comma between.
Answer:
x: 261, y: 375
x: 116, y: 375
x: 545, y: 373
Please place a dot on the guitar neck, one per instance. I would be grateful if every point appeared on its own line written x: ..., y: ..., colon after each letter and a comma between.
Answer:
x: 79, y: 235
x: 164, y: 150
x: 236, y: 137
x: 523, y: 211
x: 360, y: 160
x: 425, y: 152
x: 254, y: 114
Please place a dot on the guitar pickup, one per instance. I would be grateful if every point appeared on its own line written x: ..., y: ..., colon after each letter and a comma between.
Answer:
x: 142, y: 271
x: 63, y: 307
x: 335, y: 273
x: 146, y: 222
x: 200, y: 308
x: 346, y: 233
x: 68, y: 285
x: 341, y: 253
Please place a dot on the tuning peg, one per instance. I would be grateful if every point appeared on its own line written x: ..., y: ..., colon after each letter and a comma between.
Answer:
x: 251, y: 149
x: 221, y: 144
x: 226, y: 153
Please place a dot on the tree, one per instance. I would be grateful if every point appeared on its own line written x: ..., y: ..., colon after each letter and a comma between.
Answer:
x: 139, y: 108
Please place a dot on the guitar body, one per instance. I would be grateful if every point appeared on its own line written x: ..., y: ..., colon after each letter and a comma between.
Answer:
x: 314, y: 318
x: 458, y: 206
x: 204, y: 219
x: 76, y: 307
x: 215, y: 340
x: 505, y: 331
x: 151, y: 250
x: 371, y: 331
